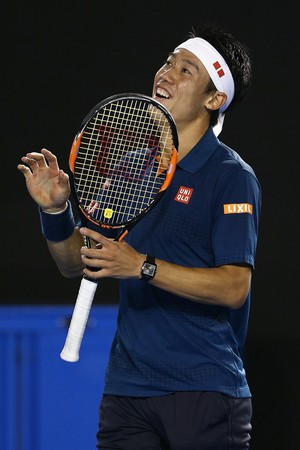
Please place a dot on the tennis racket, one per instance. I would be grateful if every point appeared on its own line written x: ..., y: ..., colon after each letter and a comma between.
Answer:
x: 122, y: 160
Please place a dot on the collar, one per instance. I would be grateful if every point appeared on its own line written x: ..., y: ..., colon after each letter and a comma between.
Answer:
x: 199, y: 154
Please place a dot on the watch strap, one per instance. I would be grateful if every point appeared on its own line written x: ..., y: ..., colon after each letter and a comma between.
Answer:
x: 150, y: 259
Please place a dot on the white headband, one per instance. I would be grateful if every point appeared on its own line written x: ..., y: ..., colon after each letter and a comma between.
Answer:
x: 217, y: 69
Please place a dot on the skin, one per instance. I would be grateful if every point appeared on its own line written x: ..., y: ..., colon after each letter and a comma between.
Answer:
x: 181, y: 83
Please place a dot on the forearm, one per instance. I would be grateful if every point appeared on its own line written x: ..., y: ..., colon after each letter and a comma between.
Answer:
x: 226, y: 285
x: 66, y: 254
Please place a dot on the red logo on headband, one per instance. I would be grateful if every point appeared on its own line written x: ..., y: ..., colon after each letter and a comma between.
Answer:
x: 219, y: 69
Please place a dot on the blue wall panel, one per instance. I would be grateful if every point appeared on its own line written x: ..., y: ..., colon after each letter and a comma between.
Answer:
x: 47, y: 403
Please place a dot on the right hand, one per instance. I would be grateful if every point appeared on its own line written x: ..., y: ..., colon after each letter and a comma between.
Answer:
x: 47, y: 184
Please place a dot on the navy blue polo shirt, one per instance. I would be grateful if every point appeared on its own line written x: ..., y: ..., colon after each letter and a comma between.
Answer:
x: 207, y: 217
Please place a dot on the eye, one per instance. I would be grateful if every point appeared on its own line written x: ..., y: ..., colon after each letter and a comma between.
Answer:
x: 167, y: 63
x: 185, y: 70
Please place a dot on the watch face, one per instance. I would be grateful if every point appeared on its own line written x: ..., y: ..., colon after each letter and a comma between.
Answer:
x: 148, y: 270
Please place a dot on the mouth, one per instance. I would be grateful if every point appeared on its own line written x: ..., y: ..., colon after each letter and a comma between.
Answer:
x: 162, y: 93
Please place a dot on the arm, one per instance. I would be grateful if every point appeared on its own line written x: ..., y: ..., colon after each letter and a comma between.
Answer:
x: 49, y: 187
x: 226, y: 285
x: 66, y: 254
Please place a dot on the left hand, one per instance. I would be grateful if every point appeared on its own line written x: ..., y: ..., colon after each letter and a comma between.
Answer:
x: 47, y: 184
x: 109, y: 258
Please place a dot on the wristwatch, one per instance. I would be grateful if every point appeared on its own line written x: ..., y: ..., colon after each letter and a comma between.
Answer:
x: 148, y: 269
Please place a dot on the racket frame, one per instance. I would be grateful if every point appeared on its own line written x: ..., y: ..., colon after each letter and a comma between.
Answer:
x: 87, y: 290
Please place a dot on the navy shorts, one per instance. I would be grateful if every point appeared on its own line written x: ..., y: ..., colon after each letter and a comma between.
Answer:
x: 178, y: 421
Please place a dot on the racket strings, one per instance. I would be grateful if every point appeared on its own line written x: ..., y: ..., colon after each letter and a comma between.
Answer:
x: 122, y: 161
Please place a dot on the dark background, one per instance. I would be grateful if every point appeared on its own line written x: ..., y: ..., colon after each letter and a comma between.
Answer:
x: 59, y: 59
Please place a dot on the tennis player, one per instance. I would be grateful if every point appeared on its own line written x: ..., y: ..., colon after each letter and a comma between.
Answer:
x: 175, y: 377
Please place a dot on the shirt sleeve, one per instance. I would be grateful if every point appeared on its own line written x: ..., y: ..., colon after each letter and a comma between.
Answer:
x: 236, y: 218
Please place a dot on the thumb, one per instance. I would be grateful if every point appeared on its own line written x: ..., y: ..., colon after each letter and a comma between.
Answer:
x: 63, y: 177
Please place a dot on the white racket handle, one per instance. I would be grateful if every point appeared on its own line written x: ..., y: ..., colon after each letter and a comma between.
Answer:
x: 79, y: 319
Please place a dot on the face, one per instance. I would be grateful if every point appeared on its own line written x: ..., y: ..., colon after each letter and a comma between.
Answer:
x: 180, y: 85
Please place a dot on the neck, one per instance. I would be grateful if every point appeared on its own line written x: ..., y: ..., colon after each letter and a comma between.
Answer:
x: 189, y: 136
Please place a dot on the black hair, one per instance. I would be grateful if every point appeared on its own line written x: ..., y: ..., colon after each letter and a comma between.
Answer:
x: 236, y: 55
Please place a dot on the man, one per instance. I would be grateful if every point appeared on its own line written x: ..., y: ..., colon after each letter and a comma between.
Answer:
x: 175, y: 377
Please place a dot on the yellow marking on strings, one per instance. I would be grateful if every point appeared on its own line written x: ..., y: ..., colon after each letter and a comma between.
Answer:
x: 108, y: 213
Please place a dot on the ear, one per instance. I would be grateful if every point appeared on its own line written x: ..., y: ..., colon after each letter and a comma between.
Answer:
x: 216, y: 101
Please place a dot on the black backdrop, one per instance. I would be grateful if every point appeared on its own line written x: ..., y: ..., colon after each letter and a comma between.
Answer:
x: 59, y: 59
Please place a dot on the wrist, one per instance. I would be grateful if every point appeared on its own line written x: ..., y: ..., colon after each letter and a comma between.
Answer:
x: 57, y: 226
x: 148, y: 269
x: 56, y: 210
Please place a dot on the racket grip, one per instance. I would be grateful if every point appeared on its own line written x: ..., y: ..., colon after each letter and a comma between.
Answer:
x: 79, y: 319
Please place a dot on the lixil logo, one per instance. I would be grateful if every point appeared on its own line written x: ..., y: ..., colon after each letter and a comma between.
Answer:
x: 237, y: 208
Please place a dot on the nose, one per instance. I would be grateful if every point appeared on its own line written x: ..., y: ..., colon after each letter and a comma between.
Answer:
x: 168, y: 75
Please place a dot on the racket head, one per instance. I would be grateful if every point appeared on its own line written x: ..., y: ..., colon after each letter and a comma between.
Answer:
x: 122, y: 159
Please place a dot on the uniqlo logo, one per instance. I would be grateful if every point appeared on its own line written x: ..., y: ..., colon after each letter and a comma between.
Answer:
x: 183, y: 195
x: 219, y: 69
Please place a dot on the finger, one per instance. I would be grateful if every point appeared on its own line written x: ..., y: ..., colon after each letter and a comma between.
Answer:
x: 35, y: 163
x: 92, y: 253
x: 94, y: 274
x: 37, y: 157
x: 97, y: 237
x: 51, y: 158
x: 28, y: 160
x: 32, y: 163
x: 24, y: 169
x: 63, y: 177
x: 90, y: 259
